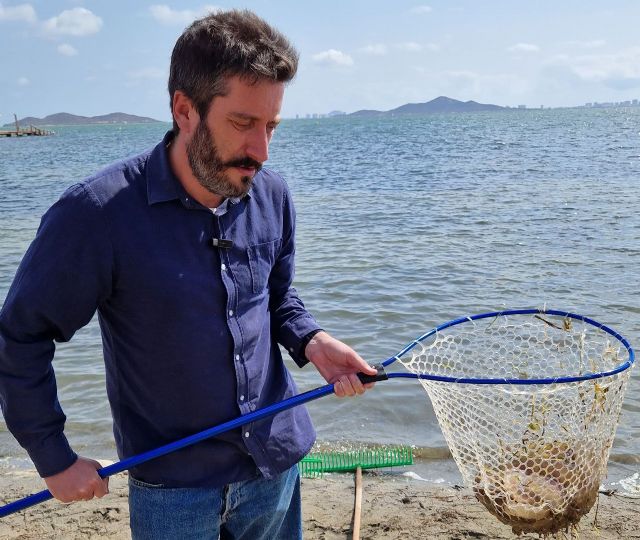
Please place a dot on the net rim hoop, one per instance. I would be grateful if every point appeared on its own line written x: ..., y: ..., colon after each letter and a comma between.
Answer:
x: 521, y: 382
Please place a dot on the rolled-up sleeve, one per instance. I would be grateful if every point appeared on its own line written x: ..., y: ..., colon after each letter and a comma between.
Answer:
x: 290, y: 320
x: 64, y: 276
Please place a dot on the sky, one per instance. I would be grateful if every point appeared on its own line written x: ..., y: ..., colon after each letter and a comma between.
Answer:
x: 92, y: 57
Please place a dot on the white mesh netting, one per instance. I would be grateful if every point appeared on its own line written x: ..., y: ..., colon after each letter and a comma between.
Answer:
x: 533, y: 454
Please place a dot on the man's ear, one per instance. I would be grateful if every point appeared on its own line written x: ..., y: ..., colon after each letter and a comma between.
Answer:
x: 184, y: 113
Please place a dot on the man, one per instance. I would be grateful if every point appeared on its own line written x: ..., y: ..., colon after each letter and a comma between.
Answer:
x: 187, y: 254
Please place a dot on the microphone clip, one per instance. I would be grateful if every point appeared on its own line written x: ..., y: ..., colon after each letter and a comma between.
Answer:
x: 221, y: 243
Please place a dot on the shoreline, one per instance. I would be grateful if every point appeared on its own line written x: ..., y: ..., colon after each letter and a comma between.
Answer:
x: 394, y: 507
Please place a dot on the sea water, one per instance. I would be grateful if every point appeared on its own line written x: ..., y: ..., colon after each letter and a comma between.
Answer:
x: 403, y: 223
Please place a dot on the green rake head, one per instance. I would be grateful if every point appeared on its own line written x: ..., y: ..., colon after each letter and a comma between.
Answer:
x: 314, y: 464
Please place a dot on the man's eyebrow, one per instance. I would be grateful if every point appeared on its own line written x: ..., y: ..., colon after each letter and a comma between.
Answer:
x: 242, y: 116
x: 245, y: 116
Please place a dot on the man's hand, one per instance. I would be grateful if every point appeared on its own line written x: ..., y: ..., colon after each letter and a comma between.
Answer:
x: 338, y: 364
x: 80, y: 482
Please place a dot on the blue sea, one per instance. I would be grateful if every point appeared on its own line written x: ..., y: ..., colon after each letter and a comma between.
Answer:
x: 403, y: 224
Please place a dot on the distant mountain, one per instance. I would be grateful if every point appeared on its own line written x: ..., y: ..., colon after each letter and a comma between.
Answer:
x: 66, y: 119
x: 367, y: 112
x: 441, y: 104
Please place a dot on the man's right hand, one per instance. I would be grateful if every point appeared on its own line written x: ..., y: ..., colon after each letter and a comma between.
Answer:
x: 80, y: 482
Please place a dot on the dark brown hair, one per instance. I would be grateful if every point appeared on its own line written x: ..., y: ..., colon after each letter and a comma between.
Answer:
x: 227, y: 44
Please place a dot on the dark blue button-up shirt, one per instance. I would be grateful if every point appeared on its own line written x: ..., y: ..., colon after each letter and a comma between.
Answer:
x: 190, y: 331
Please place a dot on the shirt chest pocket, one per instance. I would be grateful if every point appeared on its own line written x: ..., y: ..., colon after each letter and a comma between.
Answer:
x: 262, y: 258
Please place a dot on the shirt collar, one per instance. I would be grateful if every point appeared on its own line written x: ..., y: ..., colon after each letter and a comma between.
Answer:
x: 162, y: 184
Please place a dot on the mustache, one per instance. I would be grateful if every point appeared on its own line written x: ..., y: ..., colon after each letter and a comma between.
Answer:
x: 246, y: 162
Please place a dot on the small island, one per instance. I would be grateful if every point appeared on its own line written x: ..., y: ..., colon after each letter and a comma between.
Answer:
x: 440, y: 104
x: 67, y: 119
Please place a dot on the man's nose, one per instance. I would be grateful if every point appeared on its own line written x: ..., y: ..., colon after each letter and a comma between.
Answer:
x: 258, y: 146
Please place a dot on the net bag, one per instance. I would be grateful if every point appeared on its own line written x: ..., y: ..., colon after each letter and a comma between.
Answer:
x: 533, y: 419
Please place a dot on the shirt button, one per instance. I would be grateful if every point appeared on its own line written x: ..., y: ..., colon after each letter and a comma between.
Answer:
x: 230, y: 313
x: 224, y: 267
x: 246, y: 434
x: 237, y: 357
x: 242, y: 398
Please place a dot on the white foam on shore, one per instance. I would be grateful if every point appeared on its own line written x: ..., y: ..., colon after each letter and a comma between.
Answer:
x: 416, y: 476
x: 628, y: 487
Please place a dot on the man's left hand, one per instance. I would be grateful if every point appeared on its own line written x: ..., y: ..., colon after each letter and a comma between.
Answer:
x: 338, y: 364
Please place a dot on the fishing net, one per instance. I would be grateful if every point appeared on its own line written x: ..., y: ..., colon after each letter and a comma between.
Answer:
x: 534, y: 451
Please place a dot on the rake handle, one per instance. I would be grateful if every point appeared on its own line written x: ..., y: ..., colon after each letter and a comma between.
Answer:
x: 357, y: 509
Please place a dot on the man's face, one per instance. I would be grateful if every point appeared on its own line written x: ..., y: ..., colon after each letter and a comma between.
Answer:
x: 228, y: 147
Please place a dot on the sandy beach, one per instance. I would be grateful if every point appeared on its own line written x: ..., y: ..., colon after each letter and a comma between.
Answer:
x: 393, y: 507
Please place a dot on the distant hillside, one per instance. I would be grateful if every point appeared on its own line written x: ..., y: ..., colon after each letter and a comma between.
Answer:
x: 441, y: 104
x: 66, y: 119
x: 367, y: 112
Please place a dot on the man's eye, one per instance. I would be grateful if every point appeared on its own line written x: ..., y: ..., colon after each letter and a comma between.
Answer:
x: 241, y: 125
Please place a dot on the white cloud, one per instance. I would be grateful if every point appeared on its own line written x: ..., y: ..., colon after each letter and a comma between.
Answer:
x: 166, y: 15
x: 333, y: 56
x: 23, y: 81
x: 67, y: 50
x: 21, y: 12
x: 619, y: 70
x: 421, y: 10
x: 377, y: 49
x: 74, y: 22
x: 524, y: 47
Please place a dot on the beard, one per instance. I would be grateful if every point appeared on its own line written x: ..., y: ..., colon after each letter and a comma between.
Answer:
x: 209, y: 168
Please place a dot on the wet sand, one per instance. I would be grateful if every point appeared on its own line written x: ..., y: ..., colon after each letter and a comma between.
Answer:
x: 394, y: 507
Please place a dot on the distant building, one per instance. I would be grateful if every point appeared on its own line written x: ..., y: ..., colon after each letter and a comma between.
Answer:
x: 635, y: 102
x: 522, y: 106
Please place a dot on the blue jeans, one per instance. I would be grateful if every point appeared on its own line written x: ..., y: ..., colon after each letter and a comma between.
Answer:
x: 256, y: 509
